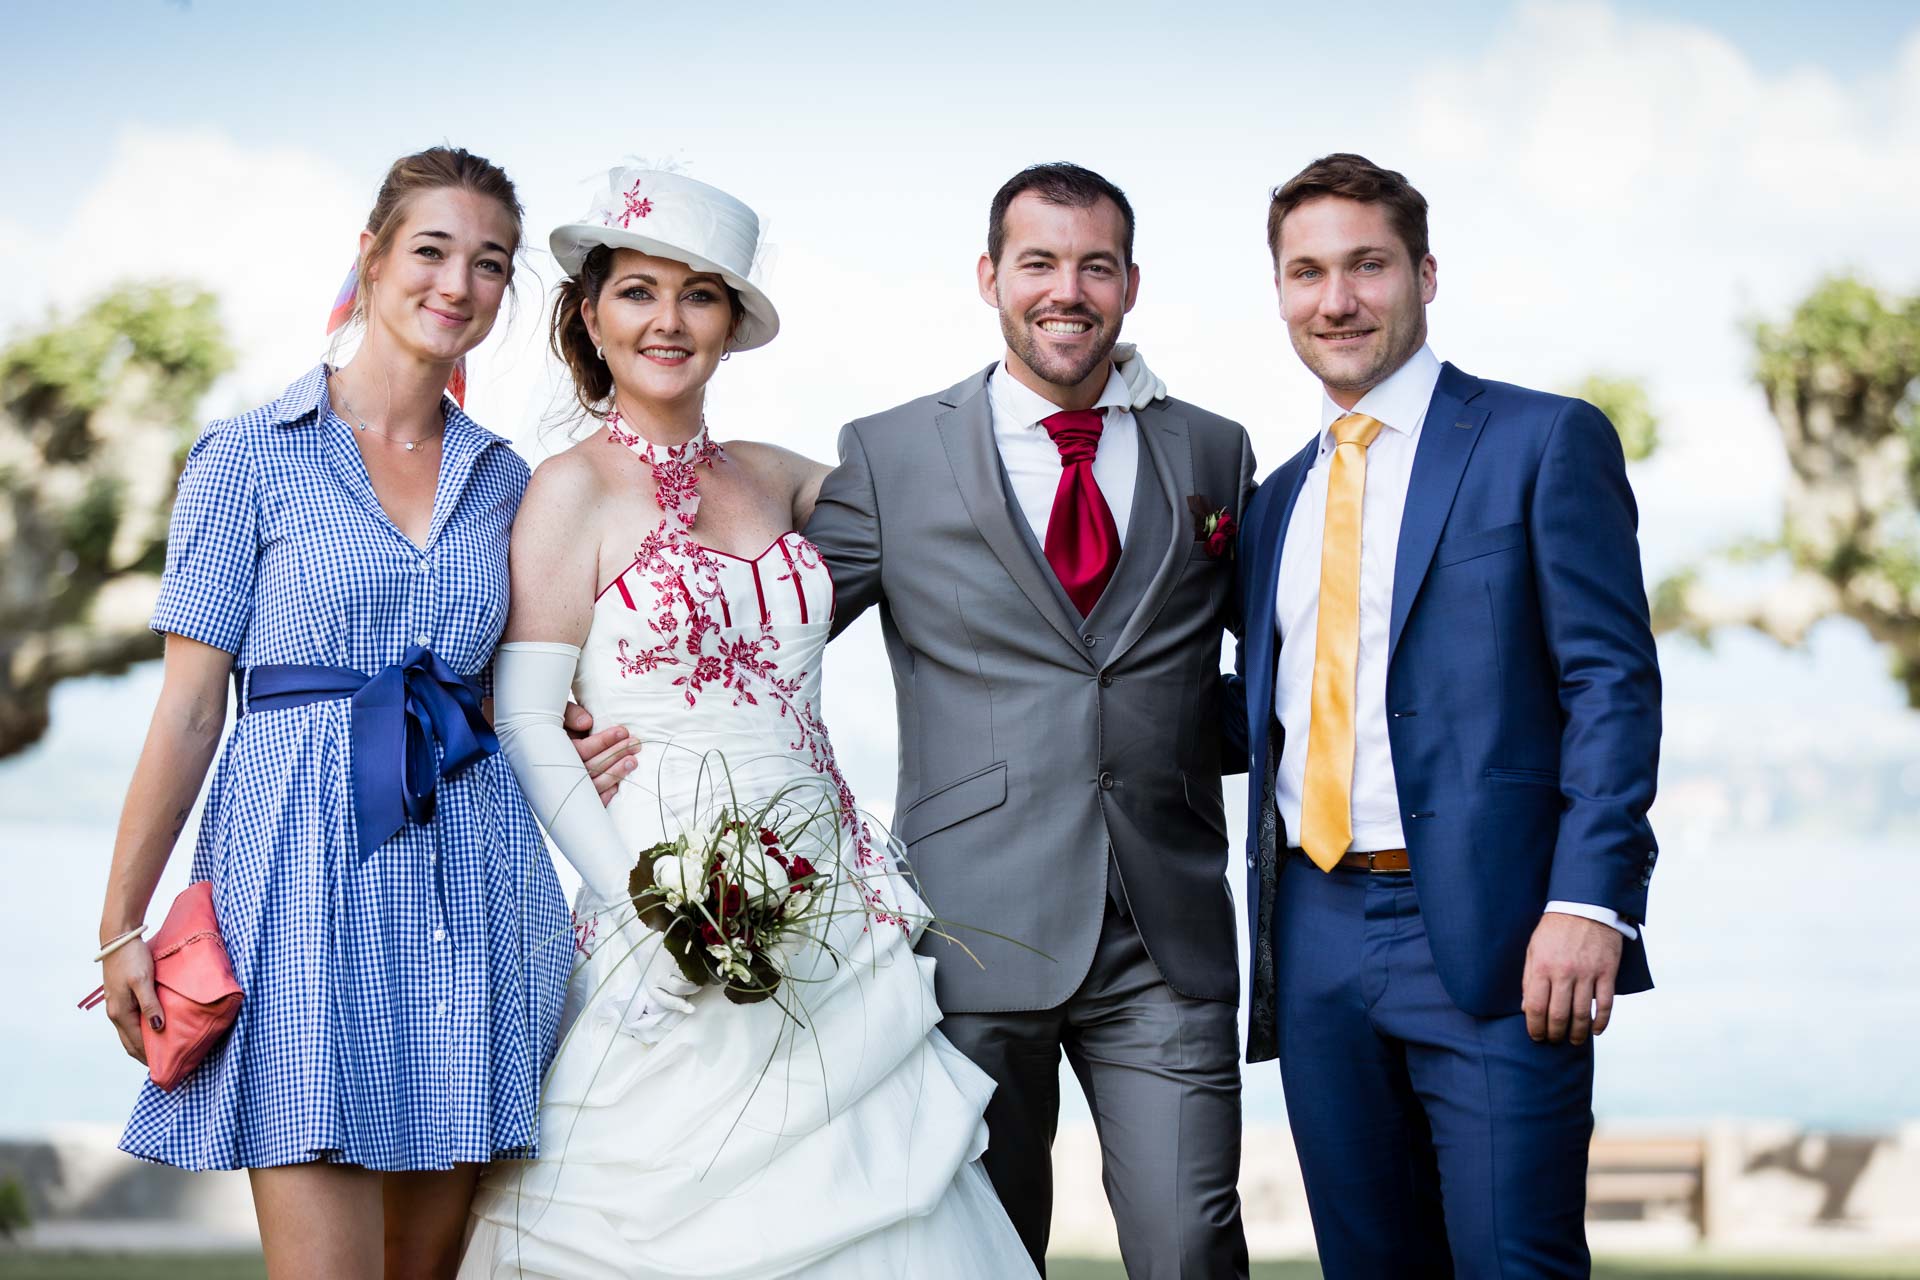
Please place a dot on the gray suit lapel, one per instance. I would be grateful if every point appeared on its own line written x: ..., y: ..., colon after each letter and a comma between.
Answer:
x: 1165, y: 439
x: 1039, y: 552
x: 966, y: 431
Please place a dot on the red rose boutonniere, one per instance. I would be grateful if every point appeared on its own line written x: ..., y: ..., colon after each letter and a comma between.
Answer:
x: 1216, y: 528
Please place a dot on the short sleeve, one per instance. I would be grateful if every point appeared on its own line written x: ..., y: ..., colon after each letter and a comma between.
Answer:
x: 213, y: 543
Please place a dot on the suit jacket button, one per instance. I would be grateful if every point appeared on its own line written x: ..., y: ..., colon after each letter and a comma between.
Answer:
x: 1106, y: 780
x: 1106, y: 681
x: 1091, y: 639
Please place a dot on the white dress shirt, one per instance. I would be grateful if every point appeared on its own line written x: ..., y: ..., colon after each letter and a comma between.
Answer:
x: 1400, y: 404
x: 1032, y: 459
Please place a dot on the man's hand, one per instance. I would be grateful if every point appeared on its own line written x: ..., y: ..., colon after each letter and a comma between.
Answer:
x: 1567, y: 992
x: 608, y: 755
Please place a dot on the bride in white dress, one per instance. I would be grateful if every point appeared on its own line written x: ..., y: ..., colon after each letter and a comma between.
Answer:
x: 658, y: 578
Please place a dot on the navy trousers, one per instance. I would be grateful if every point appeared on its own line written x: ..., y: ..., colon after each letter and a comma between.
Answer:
x: 1434, y: 1143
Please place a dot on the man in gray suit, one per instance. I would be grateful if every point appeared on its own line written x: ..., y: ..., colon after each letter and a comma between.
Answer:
x: 1053, y: 608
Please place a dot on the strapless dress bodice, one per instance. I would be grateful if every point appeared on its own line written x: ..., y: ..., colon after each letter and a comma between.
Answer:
x: 713, y: 662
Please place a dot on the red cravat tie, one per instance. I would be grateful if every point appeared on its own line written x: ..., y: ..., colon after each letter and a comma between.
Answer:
x: 1083, y: 543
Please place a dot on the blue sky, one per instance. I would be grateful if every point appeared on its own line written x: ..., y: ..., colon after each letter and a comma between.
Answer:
x: 369, y: 79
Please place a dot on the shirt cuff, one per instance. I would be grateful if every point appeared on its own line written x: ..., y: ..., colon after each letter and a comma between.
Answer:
x: 1586, y: 911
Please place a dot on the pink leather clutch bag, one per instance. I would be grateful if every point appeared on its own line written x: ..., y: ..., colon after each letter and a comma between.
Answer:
x: 193, y: 979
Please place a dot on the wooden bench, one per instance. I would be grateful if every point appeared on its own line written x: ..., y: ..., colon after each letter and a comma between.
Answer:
x: 1640, y: 1178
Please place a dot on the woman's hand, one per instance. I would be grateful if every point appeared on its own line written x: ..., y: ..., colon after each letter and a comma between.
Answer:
x: 180, y: 744
x: 131, y: 999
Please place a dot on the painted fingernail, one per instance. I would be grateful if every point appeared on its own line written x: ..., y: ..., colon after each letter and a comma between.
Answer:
x: 155, y: 1022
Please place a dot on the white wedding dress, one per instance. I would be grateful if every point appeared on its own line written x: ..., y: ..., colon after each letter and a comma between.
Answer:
x: 748, y: 1142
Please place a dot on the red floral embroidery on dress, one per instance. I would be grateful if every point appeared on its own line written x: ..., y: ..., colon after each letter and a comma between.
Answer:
x: 685, y: 577
x: 584, y: 933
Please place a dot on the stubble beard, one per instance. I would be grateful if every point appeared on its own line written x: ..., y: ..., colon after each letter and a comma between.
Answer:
x: 1020, y: 340
x: 1396, y: 348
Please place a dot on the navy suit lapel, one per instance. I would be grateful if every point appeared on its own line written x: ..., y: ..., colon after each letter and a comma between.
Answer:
x: 1264, y: 583
x: 1447, y: 439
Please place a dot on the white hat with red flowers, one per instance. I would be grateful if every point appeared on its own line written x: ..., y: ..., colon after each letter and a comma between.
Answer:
x: 669, y: 215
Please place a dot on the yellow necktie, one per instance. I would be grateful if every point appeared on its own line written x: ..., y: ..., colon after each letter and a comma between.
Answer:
x: 1326, y: 809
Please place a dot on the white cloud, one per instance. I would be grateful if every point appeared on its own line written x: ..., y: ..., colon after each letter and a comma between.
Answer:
x: 1625, y: 193
x: 270, y: 231
x: 1596, y: 111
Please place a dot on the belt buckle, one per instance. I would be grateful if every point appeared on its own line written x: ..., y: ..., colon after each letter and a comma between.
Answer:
x: 1399, y: 866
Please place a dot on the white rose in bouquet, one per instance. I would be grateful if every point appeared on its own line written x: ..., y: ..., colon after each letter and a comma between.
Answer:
x: 679, y: 876
x: 761, y: 874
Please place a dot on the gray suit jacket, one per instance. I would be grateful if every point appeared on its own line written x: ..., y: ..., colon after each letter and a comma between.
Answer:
x: 1032, y: 740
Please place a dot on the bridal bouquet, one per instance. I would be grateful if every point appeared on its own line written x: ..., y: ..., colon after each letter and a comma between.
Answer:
x: 725, y: 898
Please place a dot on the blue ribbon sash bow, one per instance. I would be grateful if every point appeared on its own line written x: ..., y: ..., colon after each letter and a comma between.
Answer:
x: 399, y: 715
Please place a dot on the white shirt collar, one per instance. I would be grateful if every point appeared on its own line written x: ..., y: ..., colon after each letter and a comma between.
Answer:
x: 1025, y: 406
x: 1400, y: 402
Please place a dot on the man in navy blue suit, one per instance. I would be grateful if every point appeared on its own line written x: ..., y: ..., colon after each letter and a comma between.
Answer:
x: 1453, y: 726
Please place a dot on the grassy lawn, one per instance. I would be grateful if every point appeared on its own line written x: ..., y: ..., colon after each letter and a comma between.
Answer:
x: 16, y: 1265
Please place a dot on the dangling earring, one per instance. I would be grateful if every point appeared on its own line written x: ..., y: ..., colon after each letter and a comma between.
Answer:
x: 602, y: 353
x: 726, y: 355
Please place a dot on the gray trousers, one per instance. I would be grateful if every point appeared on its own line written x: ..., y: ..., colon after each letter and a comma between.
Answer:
x: 1161, y: 1073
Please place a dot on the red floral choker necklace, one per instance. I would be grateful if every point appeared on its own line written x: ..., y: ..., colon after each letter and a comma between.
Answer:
x: 676, y: 474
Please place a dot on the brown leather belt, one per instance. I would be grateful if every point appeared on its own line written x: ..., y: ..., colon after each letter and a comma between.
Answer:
x: 1375, y: 860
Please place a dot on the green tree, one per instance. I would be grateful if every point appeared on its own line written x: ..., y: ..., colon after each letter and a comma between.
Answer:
x: 15, y: 1215
x: 1625, y: 403
x: 1839, y: 377
x: 96, y: 414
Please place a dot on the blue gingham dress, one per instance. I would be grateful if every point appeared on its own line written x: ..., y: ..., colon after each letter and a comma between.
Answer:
x: 399, y: 1011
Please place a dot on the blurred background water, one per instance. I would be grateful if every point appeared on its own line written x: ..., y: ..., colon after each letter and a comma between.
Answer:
x: 1782, y: 928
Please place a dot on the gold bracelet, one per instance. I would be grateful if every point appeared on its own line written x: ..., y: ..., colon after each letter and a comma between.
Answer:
x: 119, y: 942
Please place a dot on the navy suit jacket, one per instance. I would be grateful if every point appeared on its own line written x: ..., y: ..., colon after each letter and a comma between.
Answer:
x: 1523, y: 692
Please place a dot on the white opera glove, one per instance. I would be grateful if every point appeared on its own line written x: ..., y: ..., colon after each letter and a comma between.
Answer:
x: 1143, y: 384
x: 660, y: 1002
x: 531, y: 683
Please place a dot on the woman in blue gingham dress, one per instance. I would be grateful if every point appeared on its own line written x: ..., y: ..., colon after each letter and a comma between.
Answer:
x: 402, y: 991
x: 398, y: 1009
